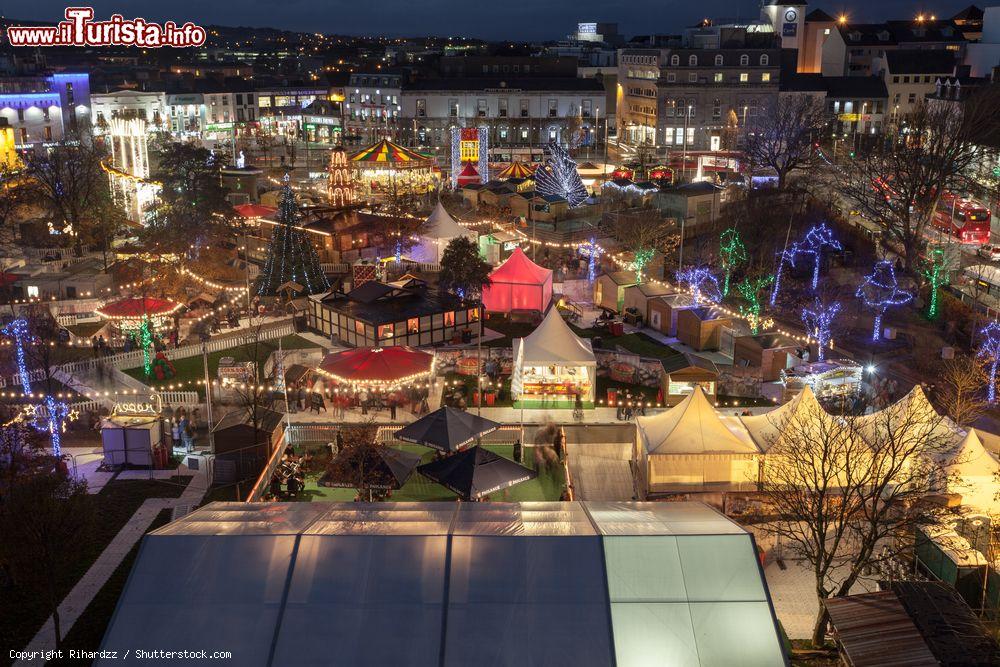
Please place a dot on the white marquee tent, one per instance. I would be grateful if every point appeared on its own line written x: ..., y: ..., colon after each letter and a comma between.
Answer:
x: 554, y: 361
x: 691, y: 447
x: 439, y: 229
x: 972, y: 472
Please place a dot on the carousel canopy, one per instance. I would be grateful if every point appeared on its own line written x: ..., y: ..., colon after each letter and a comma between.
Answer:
x: 447, y: 429
x: 386, y: 152
x: 516, y: 170
x: 476, y: 472
x: 553, y: 342
x: 254, y: 211
x: 377, y: 365
x: 137, y: 308
x: 693, y: 426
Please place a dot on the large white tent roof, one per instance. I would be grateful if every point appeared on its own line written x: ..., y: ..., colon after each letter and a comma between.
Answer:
x: 553, y: 342
x: 693, y: 426
x: 440, y: 225
x: 971, y: 458
x: 765, y: 429
x: 912, y: 416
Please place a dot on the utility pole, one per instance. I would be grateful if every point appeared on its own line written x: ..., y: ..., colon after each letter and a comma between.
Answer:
x: 208, y: 389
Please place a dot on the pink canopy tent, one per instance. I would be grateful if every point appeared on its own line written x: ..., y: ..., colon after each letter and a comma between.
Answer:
x: 518, y: 284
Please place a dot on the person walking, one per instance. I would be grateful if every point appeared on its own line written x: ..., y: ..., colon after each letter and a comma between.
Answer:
x: 175, y: 433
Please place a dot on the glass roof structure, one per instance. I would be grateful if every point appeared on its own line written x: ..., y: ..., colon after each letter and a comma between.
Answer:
x: 501, y: 584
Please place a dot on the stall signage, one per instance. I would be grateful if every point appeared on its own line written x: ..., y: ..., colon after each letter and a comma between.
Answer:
x: 136, y: 408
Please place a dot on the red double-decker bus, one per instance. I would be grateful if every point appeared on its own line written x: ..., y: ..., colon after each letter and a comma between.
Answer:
x: 965, y: 219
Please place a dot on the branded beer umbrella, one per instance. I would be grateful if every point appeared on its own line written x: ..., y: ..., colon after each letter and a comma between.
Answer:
x: 476, y: 472
x: 447, y: 429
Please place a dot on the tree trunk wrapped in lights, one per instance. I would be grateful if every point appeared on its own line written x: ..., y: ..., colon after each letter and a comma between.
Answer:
x: 291, y: 257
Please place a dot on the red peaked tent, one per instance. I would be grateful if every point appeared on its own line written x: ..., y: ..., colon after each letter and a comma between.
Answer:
x: 377, y: 366
x: 254, y: 210
x: 518, y: 284
x: 468, y: 175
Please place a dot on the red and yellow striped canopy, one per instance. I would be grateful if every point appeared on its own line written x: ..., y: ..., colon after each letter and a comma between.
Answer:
x: 387, y: 152
x: 516, y: 170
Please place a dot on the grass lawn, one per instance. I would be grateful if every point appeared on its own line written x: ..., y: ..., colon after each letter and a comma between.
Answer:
x: 547, y: 486
x: 191, y: 369
x: 88, y: 631
x: 113, y: 507
x: 510, y: 330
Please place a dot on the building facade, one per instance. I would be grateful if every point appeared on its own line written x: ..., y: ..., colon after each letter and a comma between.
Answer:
x: 149, y: 106
x: 519, y: 112
x: 186, y: 113
x: 910, y: 75
x: 43, y: 109
x: 372, y: 103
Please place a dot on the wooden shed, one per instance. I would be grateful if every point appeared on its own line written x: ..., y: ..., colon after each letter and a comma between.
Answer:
x: 609, y: 289
x: 701, y: 327
x: 769, y: 352
x: 241, y: 451
x: 639, y: 296
x: 662, y: 312
x: 683, y: 372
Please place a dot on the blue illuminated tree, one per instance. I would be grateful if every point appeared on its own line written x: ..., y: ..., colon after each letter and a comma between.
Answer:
x: 701, y: 282
x: 17, y: 330
x: 559, y: 177
x: 818, y: 320
x: 989, y: 349
x: 787, y: 256
x: 592, y: 252
x: 816, y: 239
x: 880, y: 290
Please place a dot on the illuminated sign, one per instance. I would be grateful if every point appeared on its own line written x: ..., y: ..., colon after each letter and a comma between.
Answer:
x: 789, y: 29
x: 468, y: 146
x: 586, y: 28
x: 150, y: 408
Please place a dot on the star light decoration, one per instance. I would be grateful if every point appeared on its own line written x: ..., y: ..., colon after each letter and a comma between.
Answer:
x: 818, y: 319
x: 733, y: 254
x: 701, y: 282
x: 879, y: 291
x: 52, y: 415
x: 989, y: 349
x: 749, y: 289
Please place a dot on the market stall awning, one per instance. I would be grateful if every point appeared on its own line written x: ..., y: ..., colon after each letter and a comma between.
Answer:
x: 136, y: 308
x: 469, y: 174
x: 516, y: 169
x: 440, y: 225
x: 376, y: 366
x: 388, y: 152
x: 476, y: 472
x: 382, y: 467
x: 693, y: 426
x: 254, y: 211
x: 447, y: 429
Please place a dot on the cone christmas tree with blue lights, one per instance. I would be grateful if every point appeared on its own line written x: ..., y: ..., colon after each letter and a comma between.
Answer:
x: 291, y: 257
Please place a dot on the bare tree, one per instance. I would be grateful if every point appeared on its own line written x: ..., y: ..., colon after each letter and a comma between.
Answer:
x: 846, y: 491
x: 898, y: 177
x: 782, y: 136
x: 642, y: 232
x: 961, y: 381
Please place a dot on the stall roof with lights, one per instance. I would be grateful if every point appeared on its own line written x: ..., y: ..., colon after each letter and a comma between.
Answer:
x: 453, y: 584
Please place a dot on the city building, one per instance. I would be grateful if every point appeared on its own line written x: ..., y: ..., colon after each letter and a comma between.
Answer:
x: 43, y: 109
x: 852, y: 48
x: 282, y: 109
x: 372, y: 106
x: 519, y: 111
x: 857, y: 104
x: 186, y: 112
x: 910, y: 75
x: 228, y: 111
x: 983, y: 56
x: 150, y: 106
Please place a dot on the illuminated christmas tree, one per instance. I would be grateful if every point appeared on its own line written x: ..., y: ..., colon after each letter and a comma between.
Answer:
x: 558, y: 176
x: 291, y: 257
x: 879, y: 291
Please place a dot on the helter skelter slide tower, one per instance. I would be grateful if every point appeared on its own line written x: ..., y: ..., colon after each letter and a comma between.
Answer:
x: 128, y: 167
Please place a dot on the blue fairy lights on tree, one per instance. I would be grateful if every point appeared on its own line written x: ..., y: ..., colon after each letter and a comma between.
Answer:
x: 989, y: 350
x: 880, y: 290
x: 703, y: 285
x: 818, y: 320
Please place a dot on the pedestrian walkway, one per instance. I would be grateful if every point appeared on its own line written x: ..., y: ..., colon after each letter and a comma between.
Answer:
x: 84, y: 463
x: 601, y: 471
x: 91, y: 583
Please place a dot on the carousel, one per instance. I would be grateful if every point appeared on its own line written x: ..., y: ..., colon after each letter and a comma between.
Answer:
x: 516, y: 169
x: 137, y: 323
x: 388, y: 168
x: 374, y: 378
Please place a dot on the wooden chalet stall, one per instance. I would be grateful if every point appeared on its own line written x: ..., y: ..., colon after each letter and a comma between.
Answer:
x: 701, y: 327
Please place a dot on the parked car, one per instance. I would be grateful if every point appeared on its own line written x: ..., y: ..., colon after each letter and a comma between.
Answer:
x: 989, y: 251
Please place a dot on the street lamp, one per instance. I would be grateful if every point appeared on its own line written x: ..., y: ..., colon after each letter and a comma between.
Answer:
x: 687, y: 117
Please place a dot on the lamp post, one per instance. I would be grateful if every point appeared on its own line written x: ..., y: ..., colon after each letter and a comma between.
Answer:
x: 687, y: 118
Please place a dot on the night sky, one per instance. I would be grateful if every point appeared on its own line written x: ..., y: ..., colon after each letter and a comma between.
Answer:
x: 490, y: 19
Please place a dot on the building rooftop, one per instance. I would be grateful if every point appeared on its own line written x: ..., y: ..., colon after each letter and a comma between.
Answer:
x: 565, y: 83
x: 920, y: 61
x: 855, y: 86
x: 547, y: 583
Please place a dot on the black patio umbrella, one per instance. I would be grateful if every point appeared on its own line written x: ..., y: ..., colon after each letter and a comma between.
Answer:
x: 447, y: 429
x: 384, y: 467
x: 476, y: 472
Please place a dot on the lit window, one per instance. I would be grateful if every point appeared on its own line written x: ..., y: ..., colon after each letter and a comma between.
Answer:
x: 765, y: 77
x: 449, y: 318
x: 744, y: 77
x: 473, y: 314
x: 359, y: 327
x: 413, y: 325
x: 718, y: 77
x: 384, y: 331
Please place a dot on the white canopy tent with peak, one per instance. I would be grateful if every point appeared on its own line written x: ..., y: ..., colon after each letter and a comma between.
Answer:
x: 438, y: 231
x: 553, y: 359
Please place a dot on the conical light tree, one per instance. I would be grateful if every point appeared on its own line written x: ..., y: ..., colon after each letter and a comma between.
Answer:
x: 558, y: 176
x: 291, y: 257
